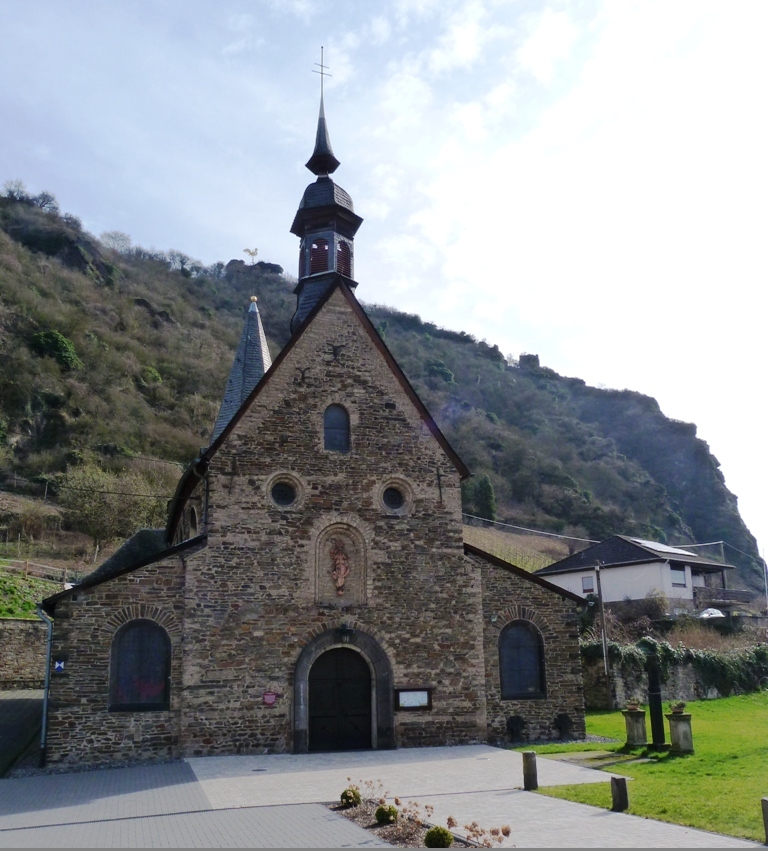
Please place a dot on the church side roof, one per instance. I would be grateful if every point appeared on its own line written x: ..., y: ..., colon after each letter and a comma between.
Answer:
x: 198, y: 468
x: 621, y: 550
x: 145, y: 547
x: 252, y: 360
x: 523, y: 574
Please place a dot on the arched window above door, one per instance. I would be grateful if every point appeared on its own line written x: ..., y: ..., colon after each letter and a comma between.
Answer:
x: 336, y: 429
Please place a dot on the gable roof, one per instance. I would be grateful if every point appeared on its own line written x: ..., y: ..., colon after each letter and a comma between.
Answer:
x: 145, y: 547
x: 523, y: 574
x: 621, y: 550
x: 199, y: 467
x: 252, y: 360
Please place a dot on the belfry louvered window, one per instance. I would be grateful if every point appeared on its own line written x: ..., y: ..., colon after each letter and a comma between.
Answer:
x: 336, y: 429
x: 318, y: 256
x: 140, y: 669
x: 344, y: 259
x: 521, y: 661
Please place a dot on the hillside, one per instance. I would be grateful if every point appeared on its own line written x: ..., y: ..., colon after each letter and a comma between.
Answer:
x: 122, y: 356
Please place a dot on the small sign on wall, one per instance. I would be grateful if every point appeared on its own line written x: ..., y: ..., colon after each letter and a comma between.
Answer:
x: 58, y: 666
x: 269, y: 698
x: 413, y: 698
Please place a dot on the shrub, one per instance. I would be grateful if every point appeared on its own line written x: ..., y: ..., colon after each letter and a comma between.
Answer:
x: 385, y: 814
x: 55, y: 345
x: 438, y: 837
x: 351, y: 797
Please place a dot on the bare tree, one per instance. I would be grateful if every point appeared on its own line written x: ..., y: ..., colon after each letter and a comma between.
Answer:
x: 116, y: 240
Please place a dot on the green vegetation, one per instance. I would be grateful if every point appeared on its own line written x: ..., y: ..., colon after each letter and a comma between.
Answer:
x: 718, y: 788
x: 111, y: 351
x: 438, y: 837
x: 386, y: 814
x: 19, y: 595
x: 351, y: 796
x: 738, y: 669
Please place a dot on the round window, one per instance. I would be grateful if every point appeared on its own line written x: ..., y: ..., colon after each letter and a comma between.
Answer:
x: 283, y: 493
x: 393, y: 498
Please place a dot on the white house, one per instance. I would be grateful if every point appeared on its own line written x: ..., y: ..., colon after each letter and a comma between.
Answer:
x: 631, y: 569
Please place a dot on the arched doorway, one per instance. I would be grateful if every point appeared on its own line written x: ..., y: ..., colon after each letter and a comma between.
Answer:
x: 340, y: 702
x: 382, y: 709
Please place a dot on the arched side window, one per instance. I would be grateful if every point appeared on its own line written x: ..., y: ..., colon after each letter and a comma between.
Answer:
x: 141, y: 668
x: 336, y: 429
x: 192, y: 521
x: 318, y: 256
x: 521, y: 661
x: 344, y: 259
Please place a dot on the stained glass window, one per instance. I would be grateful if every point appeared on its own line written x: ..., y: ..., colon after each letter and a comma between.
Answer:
x: 521, y: 661
x: 141, y: 656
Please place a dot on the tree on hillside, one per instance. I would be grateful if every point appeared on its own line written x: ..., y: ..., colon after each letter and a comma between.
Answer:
x: 116, y: 240
x: 107, y: 505
x: 485, y: 499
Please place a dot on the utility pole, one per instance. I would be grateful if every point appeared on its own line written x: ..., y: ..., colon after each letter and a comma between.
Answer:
x: 606, y: 662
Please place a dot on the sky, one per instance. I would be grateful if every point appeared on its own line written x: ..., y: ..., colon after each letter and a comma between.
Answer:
x: 586, y: 181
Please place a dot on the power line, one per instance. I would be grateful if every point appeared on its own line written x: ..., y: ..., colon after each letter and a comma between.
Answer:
x: 116, y: 493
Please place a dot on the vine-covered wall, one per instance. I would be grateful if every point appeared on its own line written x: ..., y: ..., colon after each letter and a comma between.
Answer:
x: 685, y: 674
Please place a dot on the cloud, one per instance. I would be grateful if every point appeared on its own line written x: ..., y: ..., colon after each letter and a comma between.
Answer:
x: 548, y: 45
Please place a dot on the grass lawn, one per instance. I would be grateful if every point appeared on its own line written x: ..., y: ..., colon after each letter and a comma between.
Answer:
x: 20, y: 595
x: 718, y: 788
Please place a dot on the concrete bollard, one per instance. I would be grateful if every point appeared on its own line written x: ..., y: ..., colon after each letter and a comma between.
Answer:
x: 619, y: 794
x: 765, y: 818
x: 530, y: 776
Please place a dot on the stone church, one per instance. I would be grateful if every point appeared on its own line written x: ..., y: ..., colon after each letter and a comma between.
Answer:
x: 311, y: 590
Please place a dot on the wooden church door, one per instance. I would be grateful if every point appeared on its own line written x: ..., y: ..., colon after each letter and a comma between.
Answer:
x: 339, y: 702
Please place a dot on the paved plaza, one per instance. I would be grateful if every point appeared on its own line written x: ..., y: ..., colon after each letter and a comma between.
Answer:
x: 275, y: 801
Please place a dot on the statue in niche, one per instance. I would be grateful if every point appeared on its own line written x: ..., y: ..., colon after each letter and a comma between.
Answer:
x: 339, y: 564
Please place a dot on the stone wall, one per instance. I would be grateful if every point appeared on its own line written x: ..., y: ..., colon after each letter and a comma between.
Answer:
x: 22, y: 653
x: 683, y: 683
x: 507, y: 596
x: 259, y: 593
x: 81, y: 727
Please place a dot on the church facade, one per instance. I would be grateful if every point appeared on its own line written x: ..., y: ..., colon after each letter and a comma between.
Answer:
x: 312, y: 590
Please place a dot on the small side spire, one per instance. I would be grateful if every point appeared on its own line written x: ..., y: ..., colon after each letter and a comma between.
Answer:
x: 322, y: 162
x: 252, y: 360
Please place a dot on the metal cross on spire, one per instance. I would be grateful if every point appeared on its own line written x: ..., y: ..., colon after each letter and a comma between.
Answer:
x: 322, y: 72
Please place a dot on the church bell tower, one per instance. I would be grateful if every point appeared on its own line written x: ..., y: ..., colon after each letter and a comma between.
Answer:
x: 326, y: 224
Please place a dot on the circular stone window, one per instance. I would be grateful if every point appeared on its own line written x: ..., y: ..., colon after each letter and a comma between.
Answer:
x: 283, y: 493
x: 396, y: 496
x: 393, y: 498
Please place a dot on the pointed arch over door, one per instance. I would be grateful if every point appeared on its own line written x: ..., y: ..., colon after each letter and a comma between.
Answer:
x: 382, y: 703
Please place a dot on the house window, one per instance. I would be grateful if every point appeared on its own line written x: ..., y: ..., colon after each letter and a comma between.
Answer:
x: 678, y: 577
x: 587, y: 584
x: 344, y: 259
x: 521, y: 661
x: 141, y: 667
x: 318, y: 256
x: 336, y: 429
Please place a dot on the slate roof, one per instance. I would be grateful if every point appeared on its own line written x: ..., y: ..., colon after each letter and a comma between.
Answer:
x: 252, y: 360
x: 623, y: 550
x: 145, y: 547
x: 322, y: 160
x: 324, y: 193
x: 523, y: 574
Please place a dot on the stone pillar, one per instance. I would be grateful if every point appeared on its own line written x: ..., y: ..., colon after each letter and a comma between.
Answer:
x: 680, y: 732
x: 530, y: 773
x: 635, y: 722
x: 764, y: 803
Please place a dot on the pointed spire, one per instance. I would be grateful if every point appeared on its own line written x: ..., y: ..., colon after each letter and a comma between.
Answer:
x: 322, y: 162
x: 251, y: 362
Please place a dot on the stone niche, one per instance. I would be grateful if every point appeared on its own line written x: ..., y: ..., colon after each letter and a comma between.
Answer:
x: 340, y: 566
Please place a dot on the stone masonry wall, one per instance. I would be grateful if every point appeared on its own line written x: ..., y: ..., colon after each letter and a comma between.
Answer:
x: 22, y: 653
x: 81, y: 729
x: 259, y: 592
x: 508, y: 597
x: 682, y: 683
